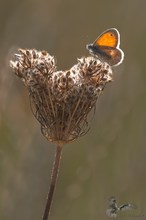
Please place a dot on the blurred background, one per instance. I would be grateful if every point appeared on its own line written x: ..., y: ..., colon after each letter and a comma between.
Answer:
x: 111, y: 159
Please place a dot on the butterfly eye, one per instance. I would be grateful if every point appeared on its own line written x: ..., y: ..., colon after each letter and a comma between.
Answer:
x: 111, y: 34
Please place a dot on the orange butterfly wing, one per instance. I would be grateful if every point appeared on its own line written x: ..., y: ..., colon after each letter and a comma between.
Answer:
x: 106, y: 47
x: 109, y: 38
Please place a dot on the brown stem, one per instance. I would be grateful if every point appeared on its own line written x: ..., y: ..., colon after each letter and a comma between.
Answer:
x: 53, y: 182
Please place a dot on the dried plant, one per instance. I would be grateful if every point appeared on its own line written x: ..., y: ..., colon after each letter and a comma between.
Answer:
x: 61, y: 100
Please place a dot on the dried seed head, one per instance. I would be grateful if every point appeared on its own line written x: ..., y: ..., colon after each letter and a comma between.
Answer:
x: 61, y: 100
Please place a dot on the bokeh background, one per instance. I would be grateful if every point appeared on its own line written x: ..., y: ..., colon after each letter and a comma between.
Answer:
x: 111, y: 158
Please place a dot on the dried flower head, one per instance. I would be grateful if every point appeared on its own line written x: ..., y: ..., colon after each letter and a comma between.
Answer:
x: 61, y: 100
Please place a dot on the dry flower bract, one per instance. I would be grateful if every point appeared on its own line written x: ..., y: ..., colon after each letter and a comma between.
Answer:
x: 61, y: 100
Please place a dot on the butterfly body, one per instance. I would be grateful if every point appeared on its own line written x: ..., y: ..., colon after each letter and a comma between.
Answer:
x: 106, y: 47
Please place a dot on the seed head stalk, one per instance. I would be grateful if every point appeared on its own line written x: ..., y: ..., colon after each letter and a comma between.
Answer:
x: 54, y: 175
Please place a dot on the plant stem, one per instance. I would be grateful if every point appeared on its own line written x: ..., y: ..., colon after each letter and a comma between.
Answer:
x: 53, y: 181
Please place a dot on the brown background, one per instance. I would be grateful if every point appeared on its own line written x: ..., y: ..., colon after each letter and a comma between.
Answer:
x: 111, y: 158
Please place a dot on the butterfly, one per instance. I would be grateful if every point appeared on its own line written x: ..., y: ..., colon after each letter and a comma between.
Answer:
x: 113, y: 208
x: 106, y: 47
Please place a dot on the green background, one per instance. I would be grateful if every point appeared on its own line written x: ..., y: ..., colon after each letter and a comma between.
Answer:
x: 111, y: 158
